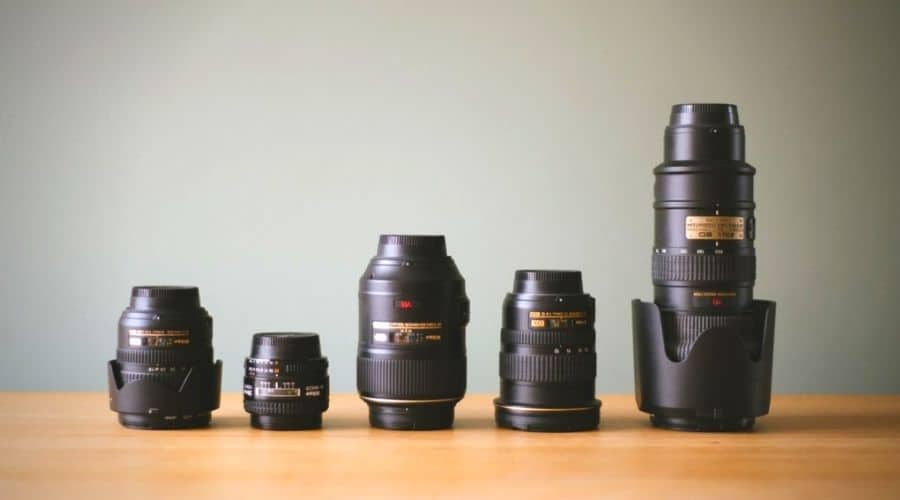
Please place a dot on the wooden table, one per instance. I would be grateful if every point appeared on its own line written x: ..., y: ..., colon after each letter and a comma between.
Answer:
x: 66, y: 445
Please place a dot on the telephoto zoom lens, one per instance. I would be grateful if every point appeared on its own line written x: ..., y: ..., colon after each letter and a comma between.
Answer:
x: 413, y: 312
x: 286, y: 381
x: 547, y: 360
x: 164, y: 376
x: 712, y: 371
x: 704, y: 263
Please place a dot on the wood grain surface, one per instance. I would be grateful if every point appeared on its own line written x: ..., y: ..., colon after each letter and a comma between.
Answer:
x: 69, y: 445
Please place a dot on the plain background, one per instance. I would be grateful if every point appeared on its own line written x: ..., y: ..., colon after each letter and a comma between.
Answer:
x: 257, y: 150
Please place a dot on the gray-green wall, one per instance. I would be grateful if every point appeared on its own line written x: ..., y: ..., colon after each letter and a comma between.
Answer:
x: 257, y: 151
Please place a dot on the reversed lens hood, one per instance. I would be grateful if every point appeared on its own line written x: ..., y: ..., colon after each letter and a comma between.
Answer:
x: 151, y: 405
x: 717, y: 387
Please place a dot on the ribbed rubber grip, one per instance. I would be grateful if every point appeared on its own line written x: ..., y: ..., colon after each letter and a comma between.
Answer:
x: 286, y: 408
x: 411, y: 378
x: 547, y: 337
x: 548, y: 368
x: 693, y: 267
x: 681, y: 331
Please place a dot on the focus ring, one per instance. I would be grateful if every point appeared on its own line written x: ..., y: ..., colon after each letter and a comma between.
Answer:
x: 286, y: 408
x: 693, y: 267
x: 547, y: 337
x: 548, y: 368
x: 411, y: 378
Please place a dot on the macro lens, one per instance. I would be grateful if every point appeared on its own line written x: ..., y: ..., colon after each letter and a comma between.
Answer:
x: 712, y: 370
x: 286, y: 381
x: 413, y: 312
x: 164, y: 376
x: 547, y: 358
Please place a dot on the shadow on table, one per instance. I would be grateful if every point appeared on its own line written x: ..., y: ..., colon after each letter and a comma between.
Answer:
x: 329, y: 423
x: 799, y: 424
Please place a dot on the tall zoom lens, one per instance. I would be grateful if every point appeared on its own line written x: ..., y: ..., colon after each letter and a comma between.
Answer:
x: 286, y: 381
x: 413, y: 312
x: 703, y: 349
x: 704, y: 263
x: 547, y: 360
x: 164, y: 375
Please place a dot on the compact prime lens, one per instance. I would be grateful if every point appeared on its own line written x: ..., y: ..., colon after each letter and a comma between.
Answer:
x: 547, y: 360
x: 413, y: 312
x: 712, y: 370
x: 164, y: 375
x: 286, y: 381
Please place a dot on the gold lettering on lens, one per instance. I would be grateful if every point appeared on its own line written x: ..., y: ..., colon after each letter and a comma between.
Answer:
x: 158, y: 338
x: 714, y: 227
x: 557, y: 319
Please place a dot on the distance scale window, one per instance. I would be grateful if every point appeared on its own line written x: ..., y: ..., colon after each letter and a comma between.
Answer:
x: 158, y: 338
x: 391, y: 332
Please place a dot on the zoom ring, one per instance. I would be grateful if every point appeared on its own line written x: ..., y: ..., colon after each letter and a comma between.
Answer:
x: 411, y: 378
x: 164, y: 356
x: 547, y: 337
x: 703, y: 268
x: 286, y: 408
x: 682, y: 330
x: 548, y: 368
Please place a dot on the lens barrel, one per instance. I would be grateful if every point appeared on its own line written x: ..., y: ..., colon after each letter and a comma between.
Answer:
x: 703, y: 270
x: 164, y: 376
x: 413, y: 312
x: 286, y: 381
x: 547, y: 360
x: 704, y: 262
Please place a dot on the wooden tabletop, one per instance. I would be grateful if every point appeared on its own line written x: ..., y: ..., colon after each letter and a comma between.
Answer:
x: 67, y: 445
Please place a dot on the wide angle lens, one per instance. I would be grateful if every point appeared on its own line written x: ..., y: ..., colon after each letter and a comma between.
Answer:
x: 548, y: 364
x: 413, y: 312
x: 286, y: 381
x: 164, y: 375
x: 704, y: 262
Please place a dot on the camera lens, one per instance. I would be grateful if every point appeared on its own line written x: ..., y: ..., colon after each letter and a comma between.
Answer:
x: 163, y: 375
x: 547, y: 357
x: 286, y: 381
x: 704, y: 267
x: 704, y: 263
x: 413, y: 312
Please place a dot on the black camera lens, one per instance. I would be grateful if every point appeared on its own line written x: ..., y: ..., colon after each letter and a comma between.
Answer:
x: 413, y: 312
x: 164, y: 376
x: 704, y: 263
x: 713, y: 369
x: 547, y: 360
x: 286, y: 381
